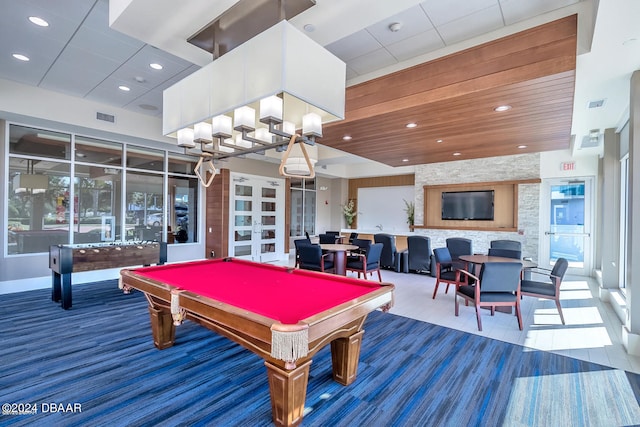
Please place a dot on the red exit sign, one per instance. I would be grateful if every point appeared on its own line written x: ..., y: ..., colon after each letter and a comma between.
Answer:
x: 568, y: 166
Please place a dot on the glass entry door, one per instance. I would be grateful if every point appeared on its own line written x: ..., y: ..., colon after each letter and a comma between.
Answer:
x: 257, y: 218
x: 569, y: 225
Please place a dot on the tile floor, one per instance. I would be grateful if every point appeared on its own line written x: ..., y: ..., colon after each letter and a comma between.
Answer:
x: 592, y: 331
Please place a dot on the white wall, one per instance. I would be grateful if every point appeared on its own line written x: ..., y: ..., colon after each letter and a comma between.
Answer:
x: 385, y: 207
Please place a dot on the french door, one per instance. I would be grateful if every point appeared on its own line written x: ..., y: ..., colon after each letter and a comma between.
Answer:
x: 256, y: 226
x: 567, y: 218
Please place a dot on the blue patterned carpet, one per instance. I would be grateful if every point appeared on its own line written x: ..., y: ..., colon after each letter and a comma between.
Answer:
x: 100, y: 355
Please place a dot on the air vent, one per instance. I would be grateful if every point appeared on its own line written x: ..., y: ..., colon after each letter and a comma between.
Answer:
x: 106, y: 117
x: 596, y: 104
x: 590, y: 141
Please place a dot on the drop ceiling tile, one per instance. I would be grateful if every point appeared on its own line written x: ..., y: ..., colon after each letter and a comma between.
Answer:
x: 518, y: 10
x: 413, y: 21
x: 171, y: 64
x: 14, y: 20
x: 150, y: 103
x: 372, y: 61
x: 471, y: 26
x: 19, y: 71
x: 357, y: 44
x: 107, y: 92
x: 103, y: 44
x: 78, y: 67
x: 74, y: 10
x: 441, y: 12
x: 419, y: 44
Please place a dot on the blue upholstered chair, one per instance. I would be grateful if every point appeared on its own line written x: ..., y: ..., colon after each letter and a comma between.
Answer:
x: 297, y: 243
x: 390, y: 257
x: 547, y: 289
x: 459, y: 246
x: 311, y: 258
x: 419, y: 253
x: 445, y: 271
x: 497, y: 285
x: 367, y: 262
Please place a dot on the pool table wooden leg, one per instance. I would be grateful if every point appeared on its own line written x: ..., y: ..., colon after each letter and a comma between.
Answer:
x: 162, y: 327
x: 288, y: 391
x: 345, y: 354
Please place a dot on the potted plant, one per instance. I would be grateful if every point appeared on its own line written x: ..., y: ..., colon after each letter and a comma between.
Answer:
x: 348, y: 210
x: 410, y: 210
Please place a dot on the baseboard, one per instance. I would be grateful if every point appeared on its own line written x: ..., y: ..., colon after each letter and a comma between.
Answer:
x: 631, y: 342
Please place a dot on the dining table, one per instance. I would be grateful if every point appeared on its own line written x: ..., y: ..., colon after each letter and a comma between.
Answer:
x: 340, y: 255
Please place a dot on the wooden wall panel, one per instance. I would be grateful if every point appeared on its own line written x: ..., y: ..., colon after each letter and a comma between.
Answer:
x: 505, y: 206
x: 217, y: 212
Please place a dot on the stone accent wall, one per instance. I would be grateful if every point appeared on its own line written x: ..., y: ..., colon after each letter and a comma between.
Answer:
x: 505, y: 168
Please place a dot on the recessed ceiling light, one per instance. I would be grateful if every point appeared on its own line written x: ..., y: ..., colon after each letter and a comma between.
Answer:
x: 439, y: 141
x: 411, y: 125
x: 20, y: 57
x: 38, y: 21
x: 522, y: 146
x: 346, y: 138
x: 405, y: 160
x: 309, y: 28
x: 502, y: 108
x: 155, y: 66
x: 457, y: 154
x: 80, y: 154
x: 124, y: 88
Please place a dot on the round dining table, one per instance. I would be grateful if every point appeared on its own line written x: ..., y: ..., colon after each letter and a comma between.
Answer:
x: 340, y: 255
x: 481, y: 259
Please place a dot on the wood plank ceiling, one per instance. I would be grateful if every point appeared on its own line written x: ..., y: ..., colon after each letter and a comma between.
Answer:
x: 453, y: 99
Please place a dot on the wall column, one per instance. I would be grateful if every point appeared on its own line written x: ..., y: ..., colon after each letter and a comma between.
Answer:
x: 609, y: 233
x: 631, y: 328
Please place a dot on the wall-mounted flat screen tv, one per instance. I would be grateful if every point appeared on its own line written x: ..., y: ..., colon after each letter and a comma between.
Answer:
x: 467, y: 205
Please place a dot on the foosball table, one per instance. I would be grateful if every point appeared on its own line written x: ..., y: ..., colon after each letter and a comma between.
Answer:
x: 67, y: 259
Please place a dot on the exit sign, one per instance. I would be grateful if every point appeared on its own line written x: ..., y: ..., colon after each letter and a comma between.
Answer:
x: 568, y: 166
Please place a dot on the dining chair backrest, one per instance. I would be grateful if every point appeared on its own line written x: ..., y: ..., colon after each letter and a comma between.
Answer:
x: 500, y: 277
x: 362, y: 244
x: 560, y: 268
x: 327, y: 238
x: 513, y: 245
x: 310, y: 257
x: 459, y: 246
x: 373, y: 254
x: 443, y: 257
x: 505, y: 253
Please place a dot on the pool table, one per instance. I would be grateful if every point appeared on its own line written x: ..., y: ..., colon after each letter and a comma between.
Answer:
x: 283, y: 315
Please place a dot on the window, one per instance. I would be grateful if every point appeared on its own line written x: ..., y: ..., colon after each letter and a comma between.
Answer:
x: 145, y: 207
x: 303, y: 207
x: 44, y: 208
x: 624, y: 221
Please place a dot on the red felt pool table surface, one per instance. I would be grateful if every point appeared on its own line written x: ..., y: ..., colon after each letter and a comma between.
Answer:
x: 276, y: 292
